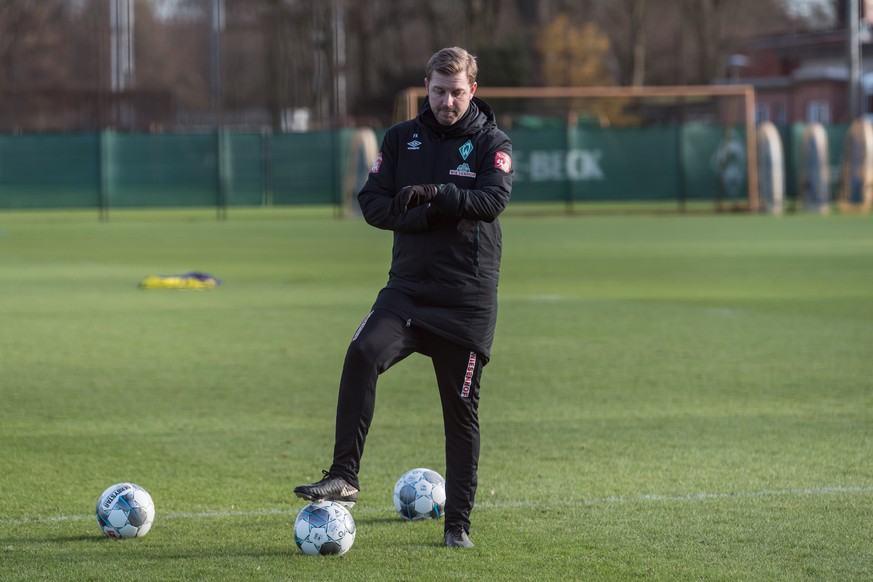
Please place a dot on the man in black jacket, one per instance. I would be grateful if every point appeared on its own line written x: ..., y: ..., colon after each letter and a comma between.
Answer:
x: 439, y: 183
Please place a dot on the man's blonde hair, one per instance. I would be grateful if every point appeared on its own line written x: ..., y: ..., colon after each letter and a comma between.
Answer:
x: 451, y: 61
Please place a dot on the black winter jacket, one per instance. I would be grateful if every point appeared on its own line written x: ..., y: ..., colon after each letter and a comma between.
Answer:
x: 446, y: 259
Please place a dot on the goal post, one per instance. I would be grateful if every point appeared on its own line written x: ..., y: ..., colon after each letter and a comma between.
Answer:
x: 574, y: 101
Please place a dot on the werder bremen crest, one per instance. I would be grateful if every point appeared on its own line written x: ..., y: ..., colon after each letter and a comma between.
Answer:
x: 466, y: 149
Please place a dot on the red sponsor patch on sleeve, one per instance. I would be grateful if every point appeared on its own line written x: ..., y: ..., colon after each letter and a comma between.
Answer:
x: 377, y: 164
x: 502, y: 161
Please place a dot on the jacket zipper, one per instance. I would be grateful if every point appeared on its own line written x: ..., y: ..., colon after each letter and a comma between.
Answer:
x: 476, y: 246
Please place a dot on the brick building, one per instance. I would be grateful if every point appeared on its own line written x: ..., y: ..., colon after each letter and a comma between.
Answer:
x: 805, y: 77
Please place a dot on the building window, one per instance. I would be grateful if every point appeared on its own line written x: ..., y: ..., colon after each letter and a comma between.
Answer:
x: 818, y: 111
x: 762, y: 112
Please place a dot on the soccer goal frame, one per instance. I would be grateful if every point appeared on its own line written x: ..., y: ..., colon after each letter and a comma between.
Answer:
x: 409, y: 103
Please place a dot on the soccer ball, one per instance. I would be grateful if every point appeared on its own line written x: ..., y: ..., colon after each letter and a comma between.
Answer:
x: 324, y: 528
x: 125, y: 510
x: 420, y: 494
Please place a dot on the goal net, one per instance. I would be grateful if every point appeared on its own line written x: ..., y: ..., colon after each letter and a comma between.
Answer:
x: 685, y: 147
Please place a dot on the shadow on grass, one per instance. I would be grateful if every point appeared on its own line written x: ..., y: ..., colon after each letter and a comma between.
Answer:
x: 7, y: 542
x: 378, y: 520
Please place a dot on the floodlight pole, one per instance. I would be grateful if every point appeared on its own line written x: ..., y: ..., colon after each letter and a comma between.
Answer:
x: 339, y: 39
x: 854, y: 54
x: 121, y: 15
x: 217, y: 29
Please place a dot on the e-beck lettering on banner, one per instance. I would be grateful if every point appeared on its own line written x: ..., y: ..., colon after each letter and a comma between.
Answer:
x: 558, y: 165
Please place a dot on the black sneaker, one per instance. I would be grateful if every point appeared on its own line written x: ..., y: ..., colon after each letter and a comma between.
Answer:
x: 456, y: 537
x: 329, y: 489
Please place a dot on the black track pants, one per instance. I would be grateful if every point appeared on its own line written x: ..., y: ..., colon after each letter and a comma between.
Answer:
x: 382, y: 340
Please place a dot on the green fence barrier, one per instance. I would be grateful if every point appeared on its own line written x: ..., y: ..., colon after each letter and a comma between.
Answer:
x: 308, y: 167
x: 49, y: 171
x: 656, y: 163
x: 116, y: 170
x: 161, y: 170
x: 571, y: 164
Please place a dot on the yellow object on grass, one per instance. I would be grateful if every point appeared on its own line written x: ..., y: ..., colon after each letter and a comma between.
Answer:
x: 185, y: 281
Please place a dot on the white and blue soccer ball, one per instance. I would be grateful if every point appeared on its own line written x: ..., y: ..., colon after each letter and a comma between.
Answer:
x: 420, y: 494
x: 125, y: 510
x: 324, y: 528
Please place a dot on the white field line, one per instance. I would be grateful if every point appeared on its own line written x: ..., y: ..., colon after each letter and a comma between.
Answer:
x: 522, y: 504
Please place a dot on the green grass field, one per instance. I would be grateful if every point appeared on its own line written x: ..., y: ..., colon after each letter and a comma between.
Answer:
x: 670, y: 398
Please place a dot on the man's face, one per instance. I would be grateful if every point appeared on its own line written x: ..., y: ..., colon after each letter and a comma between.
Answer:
x: 449, y: 96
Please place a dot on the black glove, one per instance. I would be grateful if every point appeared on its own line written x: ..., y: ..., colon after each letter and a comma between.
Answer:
x: 412, y: 196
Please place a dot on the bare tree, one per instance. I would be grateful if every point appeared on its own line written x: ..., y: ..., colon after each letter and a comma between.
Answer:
x: 637, y: 11
x: 31, y: 37
x: 716, y: 25
x: 279, y: 55
x: 173, y: 55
